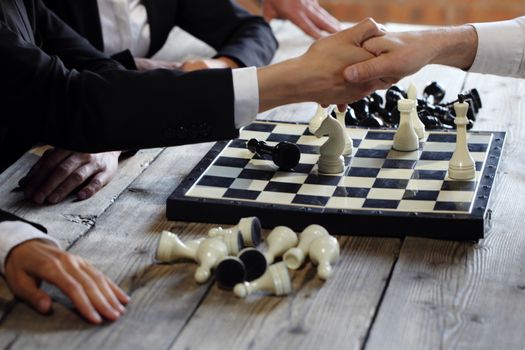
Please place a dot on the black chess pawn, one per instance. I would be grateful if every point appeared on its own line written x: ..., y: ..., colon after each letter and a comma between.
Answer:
x: 360, y: 108
x: 285, y: 154
x: 434, y: 90
x: 473, y: 99
x: 372, y: 121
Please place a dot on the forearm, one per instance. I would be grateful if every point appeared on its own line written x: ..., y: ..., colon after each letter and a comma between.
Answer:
x: 454, y: 46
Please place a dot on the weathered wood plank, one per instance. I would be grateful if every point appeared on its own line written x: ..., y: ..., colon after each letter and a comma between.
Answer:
x: 122, y: 245
x: 463, y: 295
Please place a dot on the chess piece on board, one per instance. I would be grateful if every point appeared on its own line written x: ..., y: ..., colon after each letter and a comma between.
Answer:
x: 406, y: 139
x: 461, y: 165
x: 249, y: 228
x: 279, y: 241
x: 324, y: 253
x: 341, y: 116
x: 331, y: 160
x: 418, y: 125
x: 295, y: 257
x: 171, y: 248
x: 315, y: 122
x: 285, y: 154
x: 276, y: 280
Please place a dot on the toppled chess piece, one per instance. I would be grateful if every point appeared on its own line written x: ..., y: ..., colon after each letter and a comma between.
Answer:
x: 461, y: 165
x: 254, y: 261
x: 324, y: 253
x: 285, y: 154
x: 229, y: 272
x: 295, y: 257
x: 171, y: 248
x: 315, y: 122
x: 331, y: 160
x: 279, y: 241
x: 405, y: 139
x: 276, y: 280
x: 249, y: 228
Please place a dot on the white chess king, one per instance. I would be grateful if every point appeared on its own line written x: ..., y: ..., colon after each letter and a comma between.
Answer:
x: 461, y: 165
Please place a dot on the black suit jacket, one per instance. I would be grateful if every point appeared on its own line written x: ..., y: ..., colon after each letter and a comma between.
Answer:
x: 232, y: 31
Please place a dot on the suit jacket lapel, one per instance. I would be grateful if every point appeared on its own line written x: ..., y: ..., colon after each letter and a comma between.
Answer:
x: 161, y: 18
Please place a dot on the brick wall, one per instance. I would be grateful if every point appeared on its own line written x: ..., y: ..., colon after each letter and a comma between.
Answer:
x: 423, y: 11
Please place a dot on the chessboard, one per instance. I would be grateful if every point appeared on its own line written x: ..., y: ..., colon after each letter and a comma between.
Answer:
x: 382, y: 192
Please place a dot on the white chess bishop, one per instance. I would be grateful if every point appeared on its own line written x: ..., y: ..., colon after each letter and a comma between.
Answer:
x: 279, y: 241
x: 406, y: 139
x: 461, y: 165
x: 275, y: 280
x: 340, y: 116
x: 331, y: 159
x: 324, y: 253
x: 418, y: 125
x: 295, y: 257
x: 315, y: 122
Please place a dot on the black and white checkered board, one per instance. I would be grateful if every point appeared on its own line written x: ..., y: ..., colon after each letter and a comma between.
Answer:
x: 382, y: 192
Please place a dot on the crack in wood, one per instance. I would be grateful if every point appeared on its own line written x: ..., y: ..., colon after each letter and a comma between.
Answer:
x: 88, y: 220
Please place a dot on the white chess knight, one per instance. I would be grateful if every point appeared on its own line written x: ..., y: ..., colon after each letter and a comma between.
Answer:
x: 275, y: 280
x: 331, y: 160
x: 315, y: 122
x: 207, y: 253
x: 418, y: 125
x: 295, y: 257
x: 324, y: 253
x: 406, y: 139
x: 461, y: 165
x: 279, y: 241
x: 340, y: 116
x: 249, y: 228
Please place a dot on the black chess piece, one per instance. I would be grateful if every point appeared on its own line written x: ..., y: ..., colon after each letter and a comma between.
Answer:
x: 392, y: 95
x: 350, y: 118
x: 375, y: 103
x: 434, y: 90
x: 360, y: 108
x: 372, y: 121
x: 473, y: 99
x: 285, y: 154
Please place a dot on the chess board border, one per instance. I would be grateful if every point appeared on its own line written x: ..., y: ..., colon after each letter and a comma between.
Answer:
x: 462, y: 226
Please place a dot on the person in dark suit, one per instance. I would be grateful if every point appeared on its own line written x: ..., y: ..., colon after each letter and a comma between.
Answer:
x: 61, y: 91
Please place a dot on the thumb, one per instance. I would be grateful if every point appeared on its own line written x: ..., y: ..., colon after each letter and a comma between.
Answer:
x: 26, y: 288
x: 364, y: 71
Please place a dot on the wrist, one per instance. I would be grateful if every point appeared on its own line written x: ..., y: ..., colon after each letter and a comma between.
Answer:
x: 228, y: 61
x: 456, y: 46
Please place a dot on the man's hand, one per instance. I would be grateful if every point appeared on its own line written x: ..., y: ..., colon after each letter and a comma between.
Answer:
x: 318, y: 74
x: 208, y: 63
x: 149, y: 64
x: 403, y: 53
x: 306, y: 14
x: 92, y: 293
x: 60, y: 172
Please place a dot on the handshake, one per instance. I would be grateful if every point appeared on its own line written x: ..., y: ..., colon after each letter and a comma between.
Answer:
x: 352, y: 63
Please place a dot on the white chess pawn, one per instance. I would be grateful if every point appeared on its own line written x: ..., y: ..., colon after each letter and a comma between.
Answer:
x: 461, y: 165
x: 279, y: 241
x: 275, y: 280
x: 324, y: 252
x: 315, y: 122
x: 294, y: 257
x: 208, y: 254
x: 171, y: 248
x: 232, y: 239
x: 418, y: 125
x: 406, y: 139
x: 331, y: 160
x: 249, y: 228
x: 340, y: 116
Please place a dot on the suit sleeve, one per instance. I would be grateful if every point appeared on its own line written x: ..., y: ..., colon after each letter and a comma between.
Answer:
x: 105, y: 108
x: 228, y: 28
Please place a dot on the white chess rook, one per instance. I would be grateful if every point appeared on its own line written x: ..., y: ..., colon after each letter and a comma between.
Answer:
x: 315, y: 122
x: 275, y: 280
x: 295, y: 257
x: 171, y: 248
x: 279, y: 241
x: 249, y: 228
x: 418, y: 125
x: 406, y: 139
x: 324, y: 253
x: 461, y: 165
x: 340, y: 116
x: 331, y: 160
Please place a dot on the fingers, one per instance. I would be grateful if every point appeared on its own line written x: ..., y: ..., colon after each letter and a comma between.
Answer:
x: 322, y: 19
x: 26, y: 288
x: 365, y: 30
x: 373, y: 69
x: 301, y: 20
x: 71, y: 179
x: 269, y: 12
x: 112, y: 293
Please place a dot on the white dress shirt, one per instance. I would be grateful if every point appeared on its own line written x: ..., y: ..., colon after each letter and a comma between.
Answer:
x: 501, y: 48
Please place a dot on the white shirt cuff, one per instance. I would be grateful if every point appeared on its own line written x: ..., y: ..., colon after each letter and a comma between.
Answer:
x: 501, y: 48
x: 13, y: 233
x: 246, y: 92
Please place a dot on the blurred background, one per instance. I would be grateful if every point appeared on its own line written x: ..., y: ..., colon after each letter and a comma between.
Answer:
x: 439, y: 12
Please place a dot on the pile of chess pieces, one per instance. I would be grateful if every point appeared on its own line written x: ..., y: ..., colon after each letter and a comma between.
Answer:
x: 375, y: 111
x: 233, y: 257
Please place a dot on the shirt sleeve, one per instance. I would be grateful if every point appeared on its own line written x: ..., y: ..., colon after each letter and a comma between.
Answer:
x: 13, y: 233
x: 501, y: 48
x: 246, y: 93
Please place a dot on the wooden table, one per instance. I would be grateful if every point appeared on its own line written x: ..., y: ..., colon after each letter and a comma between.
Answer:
x: 387, y: 293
